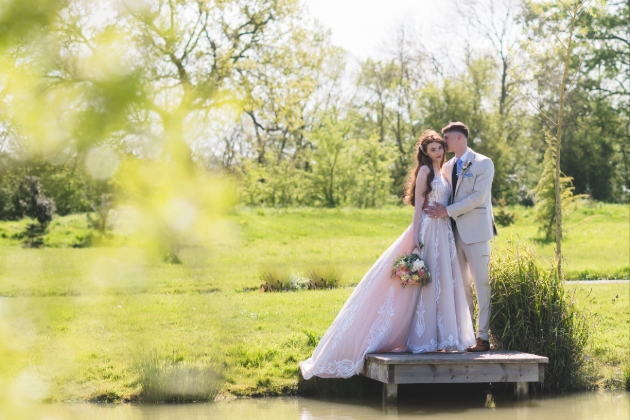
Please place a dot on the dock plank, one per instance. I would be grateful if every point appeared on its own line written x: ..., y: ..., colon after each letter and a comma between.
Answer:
x: 393, y: 369
x: 490, y: 357
x: 443, y: 374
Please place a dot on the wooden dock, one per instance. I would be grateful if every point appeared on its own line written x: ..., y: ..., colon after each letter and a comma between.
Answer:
x: 492, y: 366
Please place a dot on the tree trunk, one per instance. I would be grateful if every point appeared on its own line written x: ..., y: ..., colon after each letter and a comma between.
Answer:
x: 503, y: 97
x: 175, y: 145
x: 558, y: 144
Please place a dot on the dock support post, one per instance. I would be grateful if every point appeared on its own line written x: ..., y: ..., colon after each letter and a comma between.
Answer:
x: 390, y: 393
x: 521, y: 390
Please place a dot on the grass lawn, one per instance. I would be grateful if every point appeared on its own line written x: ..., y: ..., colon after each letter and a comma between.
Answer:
x: 608, y: 309
x: 82, y: 320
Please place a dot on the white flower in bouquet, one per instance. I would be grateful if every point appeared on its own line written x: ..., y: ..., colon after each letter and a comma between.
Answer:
x: 417, y: 265
x: 415, y: 251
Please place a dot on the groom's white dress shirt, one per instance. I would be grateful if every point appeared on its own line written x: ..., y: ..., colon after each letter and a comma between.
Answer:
x: 463, y: 158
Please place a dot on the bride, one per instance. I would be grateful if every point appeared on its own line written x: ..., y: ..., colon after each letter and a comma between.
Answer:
x: 382, y: 316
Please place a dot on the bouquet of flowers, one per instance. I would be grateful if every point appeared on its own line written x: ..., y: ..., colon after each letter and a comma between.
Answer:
x: 411, y: 269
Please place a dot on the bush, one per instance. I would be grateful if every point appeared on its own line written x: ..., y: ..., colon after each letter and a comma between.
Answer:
x: 504, y: 217
x: 69, y: 186
x: 533, y: 312
x: 29, y: 201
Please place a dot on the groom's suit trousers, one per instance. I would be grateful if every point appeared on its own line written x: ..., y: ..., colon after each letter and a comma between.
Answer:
x: 473, y: 261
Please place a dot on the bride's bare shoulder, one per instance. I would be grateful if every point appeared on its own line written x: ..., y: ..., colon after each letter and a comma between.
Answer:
x: 424, y: 169
x: 423, y: 173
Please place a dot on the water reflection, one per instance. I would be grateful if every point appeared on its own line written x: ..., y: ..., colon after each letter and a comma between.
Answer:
x: 601, y: 405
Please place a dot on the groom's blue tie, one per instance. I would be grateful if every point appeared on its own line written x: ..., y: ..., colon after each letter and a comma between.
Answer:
x: 457, y: 171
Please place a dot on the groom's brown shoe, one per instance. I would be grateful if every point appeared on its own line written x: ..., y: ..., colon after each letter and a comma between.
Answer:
x: 482, y: 345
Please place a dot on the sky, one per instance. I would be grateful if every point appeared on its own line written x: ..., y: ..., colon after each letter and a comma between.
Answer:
x: 362, y: 27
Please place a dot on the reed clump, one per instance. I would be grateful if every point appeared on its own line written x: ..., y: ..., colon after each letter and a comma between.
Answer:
x: 171, y: 380
x: 324, y: 276
x: 275, y: 279
x: 533, y: 312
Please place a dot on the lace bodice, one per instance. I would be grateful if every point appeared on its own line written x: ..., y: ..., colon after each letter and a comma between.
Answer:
x: 440, y: 191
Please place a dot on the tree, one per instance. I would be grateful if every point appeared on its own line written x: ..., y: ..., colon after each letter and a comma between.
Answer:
x: 545, y: 194
x: 331, y: 163
x: 194, y: 51
x: 496, y: 21
x: 388, y: 99
x: 286, y: 92
x: 554, y: 16
x: 606, y: 78
x: 372, y: 161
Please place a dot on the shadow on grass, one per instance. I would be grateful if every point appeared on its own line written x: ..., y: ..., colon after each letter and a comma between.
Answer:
x: 543, y: 241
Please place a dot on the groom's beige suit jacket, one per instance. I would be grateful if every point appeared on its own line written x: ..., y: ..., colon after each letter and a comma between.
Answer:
x: 471, y: 208
x: 471, y: 205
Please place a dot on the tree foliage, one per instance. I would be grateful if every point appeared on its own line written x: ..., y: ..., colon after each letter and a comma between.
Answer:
x: 545, y: 194
x: 256, y: 89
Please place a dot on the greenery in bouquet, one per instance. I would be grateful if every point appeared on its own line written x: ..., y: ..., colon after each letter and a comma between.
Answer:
x: 411, y: 269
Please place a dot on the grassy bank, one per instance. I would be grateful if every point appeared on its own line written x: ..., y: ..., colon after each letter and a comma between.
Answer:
x: 91, y: 347
x: 96, y: 323
x: 596, y: 242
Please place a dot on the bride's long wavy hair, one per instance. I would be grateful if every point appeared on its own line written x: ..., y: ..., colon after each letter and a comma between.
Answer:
x: 428, y: 137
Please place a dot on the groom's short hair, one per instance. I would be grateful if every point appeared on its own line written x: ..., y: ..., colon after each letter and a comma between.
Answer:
x: 457, y: 127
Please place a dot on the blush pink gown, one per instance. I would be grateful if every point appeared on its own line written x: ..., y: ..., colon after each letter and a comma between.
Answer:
x: 382, y: 316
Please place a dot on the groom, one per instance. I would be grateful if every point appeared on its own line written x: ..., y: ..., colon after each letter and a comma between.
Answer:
x: 470, y: 175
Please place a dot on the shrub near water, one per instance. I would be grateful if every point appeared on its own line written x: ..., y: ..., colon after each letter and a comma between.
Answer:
x: 172, y: 380
x: 533, y: 312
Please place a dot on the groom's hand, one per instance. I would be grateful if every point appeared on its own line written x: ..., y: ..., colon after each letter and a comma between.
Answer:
x: 437, y: 210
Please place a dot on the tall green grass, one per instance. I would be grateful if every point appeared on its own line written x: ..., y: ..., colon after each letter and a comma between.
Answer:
x: 325, y: 276
x: 533, y: 312
x: 275, y: 279
x: 279, y: 279
x: 172, y: 380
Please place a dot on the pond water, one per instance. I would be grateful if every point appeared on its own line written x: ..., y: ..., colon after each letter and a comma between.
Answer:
x: 593, y: 405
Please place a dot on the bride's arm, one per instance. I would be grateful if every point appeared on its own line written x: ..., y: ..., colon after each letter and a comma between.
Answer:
x: 421, y: 187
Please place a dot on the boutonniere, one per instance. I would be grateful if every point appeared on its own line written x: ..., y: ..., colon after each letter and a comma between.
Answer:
x: 465, y: 166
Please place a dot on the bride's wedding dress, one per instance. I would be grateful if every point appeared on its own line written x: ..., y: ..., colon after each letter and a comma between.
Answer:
x: 382, y: 316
